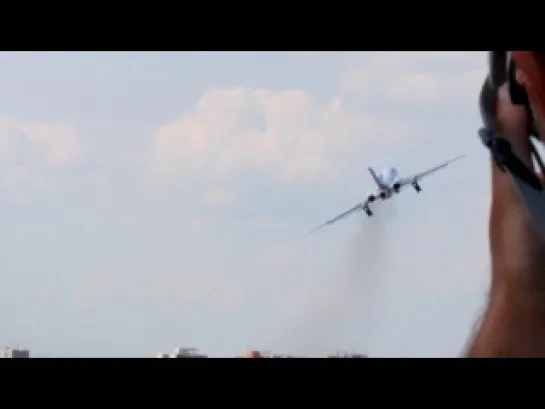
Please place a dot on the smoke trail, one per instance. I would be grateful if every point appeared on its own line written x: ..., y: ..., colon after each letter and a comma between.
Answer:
x: 366, y: 270
x: 359, y: 286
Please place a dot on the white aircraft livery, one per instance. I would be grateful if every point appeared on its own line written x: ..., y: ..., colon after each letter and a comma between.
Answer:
x: 389, y: 183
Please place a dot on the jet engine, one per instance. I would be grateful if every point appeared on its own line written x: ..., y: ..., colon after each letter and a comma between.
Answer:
x: 396, y: 187
x: 383, y: 195
x: 417, y: 187
x: 371, y: 198
x: 368, y: 211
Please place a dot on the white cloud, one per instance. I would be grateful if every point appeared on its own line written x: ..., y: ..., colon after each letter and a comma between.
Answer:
x: 417, y: 87
x: 9, y: 133
x: 432, y: 87
x: 284, y: 135
x: 59, y: 143
x: 291, y: 136
x: 28, y: 149
x: 416, y: 77
x: 19, y: 175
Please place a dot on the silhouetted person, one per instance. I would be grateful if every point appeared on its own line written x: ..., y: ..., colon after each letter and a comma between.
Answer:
x: 514, y: 321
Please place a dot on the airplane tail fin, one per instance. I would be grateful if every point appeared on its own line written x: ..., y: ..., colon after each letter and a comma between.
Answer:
x: 375, y: 178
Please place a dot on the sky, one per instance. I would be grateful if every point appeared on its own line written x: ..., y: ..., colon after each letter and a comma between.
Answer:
x: 157, y: 200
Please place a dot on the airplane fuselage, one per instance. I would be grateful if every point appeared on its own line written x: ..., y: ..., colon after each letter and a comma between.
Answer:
x: 388, y: 183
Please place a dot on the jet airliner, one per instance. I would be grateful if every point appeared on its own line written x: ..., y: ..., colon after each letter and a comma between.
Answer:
x: 388, y: 183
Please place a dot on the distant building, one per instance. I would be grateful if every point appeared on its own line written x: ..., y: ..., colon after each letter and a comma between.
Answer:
x: 15, y: 353
x: 261, y: 354
x: 347, y: 355
x: 253, y: 354
x: 182, y: 353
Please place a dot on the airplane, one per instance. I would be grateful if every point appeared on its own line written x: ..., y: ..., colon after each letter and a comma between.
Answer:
x: 389, y: 183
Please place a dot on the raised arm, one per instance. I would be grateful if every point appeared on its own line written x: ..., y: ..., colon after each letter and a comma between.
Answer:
x: 513, y: 324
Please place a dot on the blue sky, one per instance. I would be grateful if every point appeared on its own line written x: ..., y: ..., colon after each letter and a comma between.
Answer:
x: 155, y: 200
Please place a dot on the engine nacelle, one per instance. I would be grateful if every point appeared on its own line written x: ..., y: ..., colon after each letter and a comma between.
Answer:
x: 368, y: 211
x: 396, y: 187
x: 383, y: 195
x: 371, y: 198
x: 417, y: 187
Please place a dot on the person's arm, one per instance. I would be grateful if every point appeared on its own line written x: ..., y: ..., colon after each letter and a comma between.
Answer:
x: 512, y: 326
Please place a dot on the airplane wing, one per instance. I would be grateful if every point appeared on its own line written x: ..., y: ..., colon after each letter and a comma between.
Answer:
x: 419, y: 176
x: 359, y: 206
